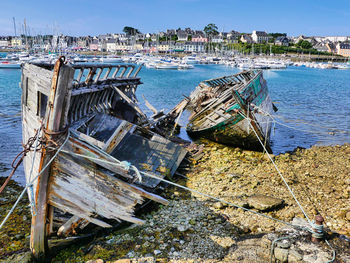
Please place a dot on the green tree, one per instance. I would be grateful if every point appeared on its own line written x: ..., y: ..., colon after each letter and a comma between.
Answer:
x: 211, y: 30
x: 303, y: 44
x: 130, y: 31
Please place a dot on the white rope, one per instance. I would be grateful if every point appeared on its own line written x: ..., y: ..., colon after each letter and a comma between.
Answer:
x: 278, y: 171
x: 207, y: 195
x: 32, y: 181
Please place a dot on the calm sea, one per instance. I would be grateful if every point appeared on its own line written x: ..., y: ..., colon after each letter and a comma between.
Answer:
x: 314, y: 104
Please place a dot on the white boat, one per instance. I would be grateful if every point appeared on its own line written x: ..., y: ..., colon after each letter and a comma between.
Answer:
x: 190, y: 60
x: 9, y: 65
x: 111, y: 59
x: 167, y: 65
x: 185, y: 66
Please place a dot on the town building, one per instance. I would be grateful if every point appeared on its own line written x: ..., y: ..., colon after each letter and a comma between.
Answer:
x: 94, y: 45
x: 182, y: 35
x: 111, y: 45
x: 4, y: 42
x: 245, y: 38
x: 343, y: 49
x: 260, y: 37
x: 282, y: 41
x: 16, y: 42
x: 196, y: 47
x: 199, y: 38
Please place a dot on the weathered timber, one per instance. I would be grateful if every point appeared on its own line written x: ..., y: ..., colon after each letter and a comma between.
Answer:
x: 53, y: 123
x: 92, y: 179
x: 222, y: 107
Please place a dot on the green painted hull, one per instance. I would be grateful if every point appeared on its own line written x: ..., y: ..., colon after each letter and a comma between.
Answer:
x: 233, y: 129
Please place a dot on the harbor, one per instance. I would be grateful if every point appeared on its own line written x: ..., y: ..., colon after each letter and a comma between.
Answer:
x: 182, y: 132
x: 212, y: 166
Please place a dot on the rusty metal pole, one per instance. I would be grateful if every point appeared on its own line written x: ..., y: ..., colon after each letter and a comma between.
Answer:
x: 317, y: 236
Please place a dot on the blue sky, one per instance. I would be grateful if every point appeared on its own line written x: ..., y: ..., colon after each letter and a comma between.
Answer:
x: 86, y: 17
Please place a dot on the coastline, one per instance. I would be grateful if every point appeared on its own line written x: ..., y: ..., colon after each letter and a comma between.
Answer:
x: 318, y: 176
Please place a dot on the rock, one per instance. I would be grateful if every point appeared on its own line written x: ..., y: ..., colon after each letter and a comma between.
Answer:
x: 125, y: 260
x: 19, y: 258
x: 294, y: 256
x: 347, y: 216
x: 146, y: 260
x: 182, y: 228
x: 281, y: 254
x: 264, y: 202
x: 218, y: 205
x: 284, y: 244
x: 95, y: 261
x: 157, y: 252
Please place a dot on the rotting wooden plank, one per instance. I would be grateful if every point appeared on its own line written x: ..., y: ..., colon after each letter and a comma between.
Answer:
x: 93, y: 191
x: 82, y: 148
x: 69, y: 226
x: 38, y: 238
x: 131, y: 103
x: 118, y: 135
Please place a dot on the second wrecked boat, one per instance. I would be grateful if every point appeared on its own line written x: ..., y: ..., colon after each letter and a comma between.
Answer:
x: 89, y: 145
x: 233, y: 110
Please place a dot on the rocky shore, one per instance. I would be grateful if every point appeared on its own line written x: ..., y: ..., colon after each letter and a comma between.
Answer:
x: 194, y: 228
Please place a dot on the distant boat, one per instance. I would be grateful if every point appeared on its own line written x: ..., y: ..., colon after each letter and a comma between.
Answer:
x: 9, y: 65
x: 220, y: 106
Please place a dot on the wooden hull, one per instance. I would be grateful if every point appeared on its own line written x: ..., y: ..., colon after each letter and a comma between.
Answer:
x: 94, y: 145
x: 225, y: 120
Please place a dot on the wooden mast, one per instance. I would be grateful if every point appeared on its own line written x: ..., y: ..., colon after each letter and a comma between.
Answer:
x: 53, y: 123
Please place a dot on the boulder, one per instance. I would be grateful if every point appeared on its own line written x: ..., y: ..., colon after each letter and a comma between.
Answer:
x: 264, y: 202
x: 281, y: 254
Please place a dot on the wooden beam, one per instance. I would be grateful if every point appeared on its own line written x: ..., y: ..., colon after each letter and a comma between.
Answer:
x: 62, y: 78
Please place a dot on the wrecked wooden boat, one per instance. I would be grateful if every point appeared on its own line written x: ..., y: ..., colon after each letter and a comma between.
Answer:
x: 227, y: 109
x: 90, y: 146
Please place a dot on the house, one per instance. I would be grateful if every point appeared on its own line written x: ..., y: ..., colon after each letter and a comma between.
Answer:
x: 194, y: 47
x: 138, y: 46
x: 123, y: 46
x: 163, y: 47
x: 111, y: 45
x: 179, y: 47
x: 16, y: 42
x: 94, y: 45
x: 181, y: 35
x: 343, y: 49
x: 233, y: 36
x: 245, y: 38
x: 199, y: 38
x: 217, y: 39
x: 322, y: 47
x: 4, y: 42
x: 282, y: 41
x: 171, y: 32
x: 260, y: 37
x: 331, y: 48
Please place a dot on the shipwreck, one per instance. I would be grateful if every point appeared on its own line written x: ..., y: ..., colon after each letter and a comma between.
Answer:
x: 90, y: 143
x: 233, y: 110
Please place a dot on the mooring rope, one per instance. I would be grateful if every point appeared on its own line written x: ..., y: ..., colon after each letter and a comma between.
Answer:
x: 316, y: 230
x: 32, y: 181
x: 120, y: 164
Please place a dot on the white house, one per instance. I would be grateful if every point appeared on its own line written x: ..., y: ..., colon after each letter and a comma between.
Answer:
x: 260, y: 37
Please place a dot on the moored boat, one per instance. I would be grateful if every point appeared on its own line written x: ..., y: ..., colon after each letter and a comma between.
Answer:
x: 233, y: 110
x: 10, y: 65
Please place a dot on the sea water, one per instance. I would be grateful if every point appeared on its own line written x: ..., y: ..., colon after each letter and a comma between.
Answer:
x: 313, y: 105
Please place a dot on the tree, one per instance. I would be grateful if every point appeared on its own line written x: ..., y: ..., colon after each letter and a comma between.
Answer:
x: 211, y: 30
x: 130, y: 31
x: 303, y: 44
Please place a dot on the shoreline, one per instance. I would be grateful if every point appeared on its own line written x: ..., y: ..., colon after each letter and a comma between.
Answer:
x: 234, y: 175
